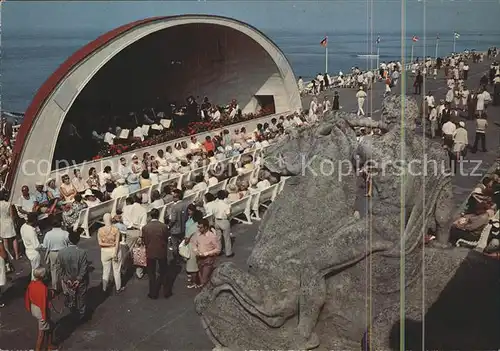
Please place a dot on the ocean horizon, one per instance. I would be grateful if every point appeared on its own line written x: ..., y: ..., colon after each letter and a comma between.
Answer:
x: 31, y: 53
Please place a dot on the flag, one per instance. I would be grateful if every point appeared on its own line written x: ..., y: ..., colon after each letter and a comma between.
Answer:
x: 324, y: 42
x: 378, y: 39
x: 415, y: 38
x: 456, y: 35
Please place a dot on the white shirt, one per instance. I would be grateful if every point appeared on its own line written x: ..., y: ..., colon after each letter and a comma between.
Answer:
x: 449, y: 128
x: 79, y: 184
x: 300, y: 84
x: 263, y: 184
x: 119, y: 191
x: 124, y: 171
x: 103, y: 178
x: 430, y: 100
x: 234, y: 111
x: 134, y: 216
x: 156, y: 204
x: 195, y: 146
x: 219, y: 209
x: 27, y: 204
x: 361, y: 94
x: 178, y: 154
x: 162, y: 161
x: 215, y: 116
x: 213, y: 181
x: 30, y: 240
x: 200, y: 186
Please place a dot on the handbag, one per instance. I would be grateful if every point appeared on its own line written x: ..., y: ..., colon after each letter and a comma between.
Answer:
x: 184, y: 250
x: 139, y: 256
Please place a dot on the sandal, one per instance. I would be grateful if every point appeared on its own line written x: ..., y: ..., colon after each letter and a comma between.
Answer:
x: 191, y: 286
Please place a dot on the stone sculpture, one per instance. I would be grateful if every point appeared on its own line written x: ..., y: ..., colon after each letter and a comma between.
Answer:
x: 319, y: 276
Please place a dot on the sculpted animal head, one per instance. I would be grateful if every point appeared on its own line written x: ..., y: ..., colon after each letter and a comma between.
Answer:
x: 331, y: 139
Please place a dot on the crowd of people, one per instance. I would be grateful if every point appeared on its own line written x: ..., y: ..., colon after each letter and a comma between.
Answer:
x: 6, y: 137
x: 146, y: 127
x: 477, y: 225
x: 445, y: 116
x: 184, y: 235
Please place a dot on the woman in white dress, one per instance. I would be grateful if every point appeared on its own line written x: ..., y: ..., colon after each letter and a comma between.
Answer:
x: 7, y: 231
x: 480, y: 104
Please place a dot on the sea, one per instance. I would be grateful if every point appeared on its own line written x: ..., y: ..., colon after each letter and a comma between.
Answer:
x: 31, y: 51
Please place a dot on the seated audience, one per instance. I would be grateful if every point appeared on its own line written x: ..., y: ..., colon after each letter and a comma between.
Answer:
x: 199, y: 183
x: 78, y: 183
x: 145, y: 180
x: 67, y: 189
x: 27, y: 203
x: 121, y: 190
x: 71, y: 211
x: 156, y: 200
x: 54, y: 195
x: 233, y: 194
x: 42, y: 200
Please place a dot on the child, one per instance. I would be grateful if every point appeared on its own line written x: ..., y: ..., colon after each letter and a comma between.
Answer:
x: 37, y: 301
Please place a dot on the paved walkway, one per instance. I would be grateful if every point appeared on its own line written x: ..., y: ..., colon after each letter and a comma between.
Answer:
x: 133, y: 322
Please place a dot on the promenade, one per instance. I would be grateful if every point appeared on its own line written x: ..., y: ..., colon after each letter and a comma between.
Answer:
x: 131, y: 321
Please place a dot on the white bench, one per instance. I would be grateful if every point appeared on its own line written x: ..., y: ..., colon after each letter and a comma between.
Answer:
x: 216, y: 187
x: 242, y: 207
x: 242, y: 177
x: 91, y: 215
x: 262, y: 198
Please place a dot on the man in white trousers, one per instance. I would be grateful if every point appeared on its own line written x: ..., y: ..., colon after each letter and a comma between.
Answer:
x: 361, y: 96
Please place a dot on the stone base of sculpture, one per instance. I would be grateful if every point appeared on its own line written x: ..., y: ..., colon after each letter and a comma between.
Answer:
x: 321, y: 277
x: 458, y: 302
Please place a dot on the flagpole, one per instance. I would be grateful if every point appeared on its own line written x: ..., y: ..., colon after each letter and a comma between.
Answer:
x: 411, y: 59
x: 437, y: 46
x: 378, y: 58
x: 326, y: 58
x: 454, y: 42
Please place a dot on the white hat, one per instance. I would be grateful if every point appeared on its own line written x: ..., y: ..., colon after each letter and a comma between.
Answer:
x: 478, y: 190
x: 461, y: 124
x: 121, y: 181
x: 39, y: 183
x: 88, y: 192
x: 361, y: 88
x: 51, y: 179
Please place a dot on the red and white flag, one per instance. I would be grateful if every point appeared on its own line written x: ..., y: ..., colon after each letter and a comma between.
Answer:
x: 324, y: 42
x: 415, y: 38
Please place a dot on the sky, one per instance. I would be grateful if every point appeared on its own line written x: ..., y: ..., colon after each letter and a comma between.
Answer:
x: 328, y: 16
